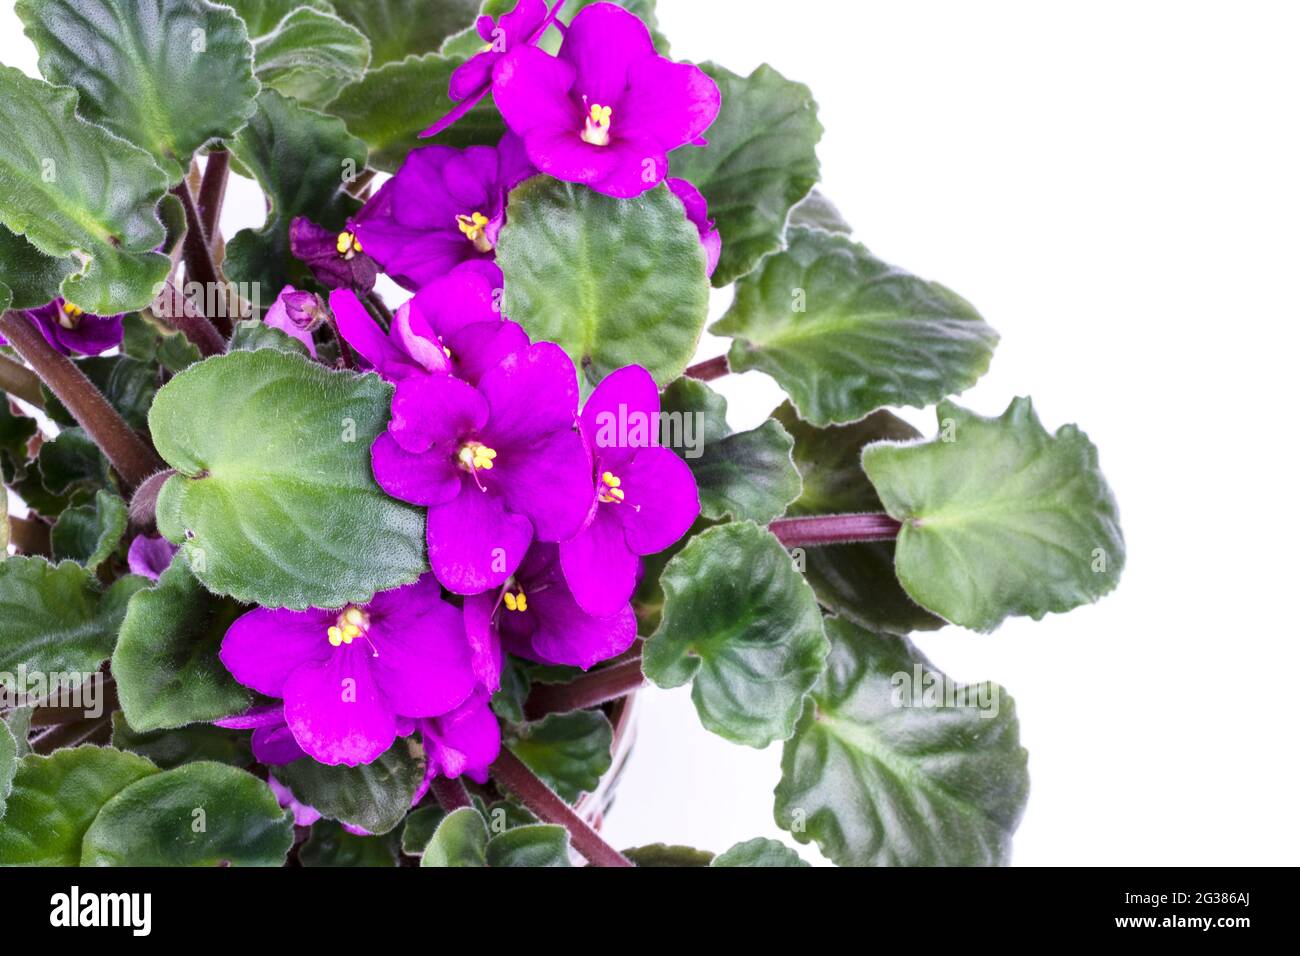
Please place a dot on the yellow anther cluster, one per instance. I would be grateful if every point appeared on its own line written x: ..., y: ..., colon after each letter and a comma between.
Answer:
x: 474, y: 228
x: 347, y: 244
x: 352, y: 624
x: 474, y: 456
x: 70, y: 316
x: 515, y: 602
x: 600, y: 115
x: 75, y: 311
x: 596, y: 128
x: 610, y: 490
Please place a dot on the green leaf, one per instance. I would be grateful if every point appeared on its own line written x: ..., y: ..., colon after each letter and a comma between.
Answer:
x: 145, y: 69
x: 844, y: 334
x: 759, y: 851
x: 54, y: 619
x: 55, y: 799
x: 570, y: 752
x: 32, y: 277
x: 373, y: 796
x: 390, y: 107
x: 72, y: 462
x: 146, y: 341
x: 8, y: 760
x: 761, y: 160
x: 397, y: 28
x: 19, y: 722
x: 818, y: 212
x: 254, y: 334
x: 171, y: 748
x: 534, y: 845
x: 274, y: 503
x: 331, y: 845
x: 614, y: 282
x: 460, y: 840
x: 300, y: 158
x: 418, y: 829
x: 878, y: 775
x: 508, y: 700
x: 999, y: 517
x: 310, y: 55
x: 89, y: 534
x: 665, y: 855
x: 262, y: 16
x: 744, y: 625
x: 166, y: 665
x: 74, y: 190
x: 856, y: 581
x: 747, y: 476
x: 201, y: 814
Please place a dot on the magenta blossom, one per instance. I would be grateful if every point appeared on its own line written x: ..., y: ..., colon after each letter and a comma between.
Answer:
x: 463, y: 742
x: 297, y: 314
x: 462, y: 312
x: 607, y: 111
x: 345, y: 676
x: 336, y: 259
x: 697, y: 211
x: 444, y: 206
x: 471, y: 81
x: 646, y: 496
x: 394, y: 355
x: 496, y: 464
x: 70, y: 330
x: 150, y: 555
x: 536, y: 617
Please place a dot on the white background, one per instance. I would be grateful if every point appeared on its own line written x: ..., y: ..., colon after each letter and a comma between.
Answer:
x: 1116, y: 186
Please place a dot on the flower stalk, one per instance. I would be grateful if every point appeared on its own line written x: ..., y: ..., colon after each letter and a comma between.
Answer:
x: 817, y: 530
x: 129, y: 454
x: 183, y: 315
x: 709, y: 369
x: 212, y: 192
x: 200, y: 267
x: 589, y: 690
x: 450, y: 794
x: 546, y: 805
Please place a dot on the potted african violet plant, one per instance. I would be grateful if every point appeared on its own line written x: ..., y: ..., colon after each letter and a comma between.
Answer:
x: 344, y: 539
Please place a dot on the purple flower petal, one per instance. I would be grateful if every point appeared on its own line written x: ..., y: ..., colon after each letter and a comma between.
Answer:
x: 303, y: 815
x: 602, y: 44
x: 599, y: 567
x: 263, y: 647
x: 276, y: 745
x: 436, y: 412
x: 295, y: 313
x: 531, y: 393
x: 420, y: 478
x: 70, y: 330
x: 336, y: 709
x: 259, y: 715
x: 474, y: 542
x: 335, y: 258
x: 697, y: 211
x: 661, y: 500
x: 479, y: 348
x: 484, y: 644
x: 368, y: 340
x: 549, y: 481
x: 621, y: 415
x: 150, y: 555
x: 464, y: 742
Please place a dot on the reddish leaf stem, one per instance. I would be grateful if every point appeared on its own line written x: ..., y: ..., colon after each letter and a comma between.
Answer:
x: 546, y: 805
x: 212, y: 192
x: 450, y: 794
x: 589, y: 690
x: 200, y: 267
x: 183, y: 315
x: 709, y: 369
x: 834, y: 529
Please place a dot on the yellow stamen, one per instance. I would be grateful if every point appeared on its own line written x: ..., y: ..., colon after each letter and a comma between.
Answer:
x: 347, y: 244
x: 609, y: 491
x: 70, y: 316
x: 474, y: 227
x: 335, y: 636
x: 351, y: 623
x: 474, y: 456
x: 515, y: 602
x: 596, y: 129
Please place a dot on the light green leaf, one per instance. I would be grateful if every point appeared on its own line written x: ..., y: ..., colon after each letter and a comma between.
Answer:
x: 32, y: 277
x: 331, y: 845
x: 880, y: 775
x: 397, y: 28
x: 154, y: 822
x: 171, y: 748
x: 253, y: 334
x: 615, y: 282
x: 55, y: 799
x: 54, y: 619
x: 76, y: 191
x: 999, y: 517
x: 818, y: 212
x: 844, y: 334
x: 534, y: 845
x: 390, y: 107
x: 744, y: 625
x: 747, y: 476
x: 570, y: 752
x: 274, y: 503
x: 761, y: 160
x: 759, y: 851
x: 665, y: 855
x: 460, y: 840
x: 855, y: 581
x: 19, y: 722
x: 300, y: 158
x: 166, y: 665
x: 8, y: 760
x: 167, y: 75
x: 310, y: 55
x: 373, y: 796
x: 89, y: 534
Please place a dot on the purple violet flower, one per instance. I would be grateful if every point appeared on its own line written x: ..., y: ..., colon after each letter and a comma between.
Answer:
x: 536, y: 617
x: 465, y: 741
x: 399, y: 353
x: 336, y: 259
x: 303, y: 815
x: 444, y: 206
x: 70, y: 330
x: 150, y: 555
x: 646, y: 496
x: 346, y: 675
x: 496, y: 464
x: 607, y: 111
x: 462, y: 312
x: 697, y: 211
x: 296, y: 313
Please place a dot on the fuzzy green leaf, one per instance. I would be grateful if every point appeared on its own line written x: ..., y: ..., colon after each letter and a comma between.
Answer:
x: 331, y: 845
x: 460, y: 840
x: 759, y: 851
x: 373, y: 796
x: 879, y: 775
x: 398, y: 28
x: 534, y: 845
x: 171, y: 748
x: 310, y: 55
x: 570, y: 752
x: 744, y: 625
x: 32, y: 277
x: 1000, y: 518
x: 274, y: 503
x: 89, y: 534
